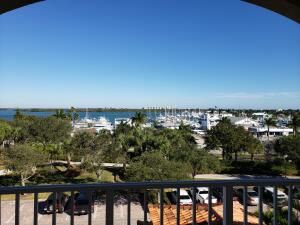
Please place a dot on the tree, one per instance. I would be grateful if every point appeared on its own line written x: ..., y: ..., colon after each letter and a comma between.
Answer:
x: 18, y: 114
x: 124, y: 144
x: 253, y: 146
x: 20, y: 128
x: 94, y: 163
x: 101, y: 150
x: 203, y: 162
x: 60, y: 114
x: 269, y: 122
x: 82, y: 144
x: 290, y: 146
x: 23, y: 160
x: 5, y: 131
x: 138, y: 119
x: 151, y: 166
x: 123, y: 128
x: 72, y: 115
x: 282, y: 216
x: 228, y: 137
x: 295, y: 122
x: 49, y: 130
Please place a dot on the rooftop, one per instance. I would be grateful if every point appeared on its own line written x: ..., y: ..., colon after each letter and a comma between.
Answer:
x: 186, y: 214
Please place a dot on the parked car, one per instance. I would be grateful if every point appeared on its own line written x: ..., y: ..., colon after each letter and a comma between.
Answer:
x: 296, y: 189
x: 281, y: 197
x: 268, y: 195
x: 202, y: 195
x: 81, y: 203
x: 252, y: 196
x: 218, y: 193
x: 184, y: 197
x: 61, y: 199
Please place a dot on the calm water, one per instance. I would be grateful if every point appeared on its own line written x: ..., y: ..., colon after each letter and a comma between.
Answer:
x: 8, y: 114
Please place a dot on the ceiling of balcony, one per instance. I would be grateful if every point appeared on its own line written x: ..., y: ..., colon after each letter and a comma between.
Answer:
x: 288, y: 8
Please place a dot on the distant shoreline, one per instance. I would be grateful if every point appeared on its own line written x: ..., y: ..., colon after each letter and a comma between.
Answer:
x: 84, y: 109
x: 151, y: 109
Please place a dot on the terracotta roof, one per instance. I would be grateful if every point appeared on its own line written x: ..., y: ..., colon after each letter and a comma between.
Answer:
x: 238, y: 214
x: 186, y: 214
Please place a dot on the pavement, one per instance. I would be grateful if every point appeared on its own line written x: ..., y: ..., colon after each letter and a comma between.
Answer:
x: 98, y: 217
x: 105, y: 165
x: 239, y: 176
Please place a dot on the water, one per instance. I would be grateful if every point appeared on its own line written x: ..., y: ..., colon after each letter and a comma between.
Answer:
x: 8, y: 114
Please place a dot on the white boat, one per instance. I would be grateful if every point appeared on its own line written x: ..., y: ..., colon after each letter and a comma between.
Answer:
x: 102, y: 124
x: 118, y: 121
x: 98, y: 124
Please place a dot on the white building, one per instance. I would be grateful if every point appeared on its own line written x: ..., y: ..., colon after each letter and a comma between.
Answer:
x: 243, y: 121
x: 274, y: 131
x: 261, y: 116
x: 208, y: 120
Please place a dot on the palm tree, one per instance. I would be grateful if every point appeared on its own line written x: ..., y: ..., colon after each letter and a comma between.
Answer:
x: 75, y: 116
x: 269, y: 122
x: 18, y: 114
x: 295, y: 122
x: 225, y: 120
x: 60, y: 113
x: 139, y: 119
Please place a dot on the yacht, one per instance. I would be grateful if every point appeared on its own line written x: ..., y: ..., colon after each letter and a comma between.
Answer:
x: 102, y: 124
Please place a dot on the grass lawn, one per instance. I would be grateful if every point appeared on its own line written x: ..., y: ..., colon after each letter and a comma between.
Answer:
x: 55, y: 175
x: 42, y: 196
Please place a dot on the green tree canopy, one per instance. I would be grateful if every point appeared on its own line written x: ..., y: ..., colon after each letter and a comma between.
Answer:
x: 20, y: 128
x: 269, y: 122
x: 18, y: 114
x: 290, y: 146
x: 151, y: 166
x: 101, y: 149
x: 295, y: 122
x: 60, y: 114
x: 5, y: 131
x: 23, y: 160
x: 82, y: 144
x: 203, y: 162
x: 123, y: 128
x: 49, y: 130
x: 252, y: 145
x: 228, y: 137
x: 139, y: 118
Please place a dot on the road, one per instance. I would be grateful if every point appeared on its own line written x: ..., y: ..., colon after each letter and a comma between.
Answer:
x: 98, y: 217
x: 105, y: 165
x: 237, y: 176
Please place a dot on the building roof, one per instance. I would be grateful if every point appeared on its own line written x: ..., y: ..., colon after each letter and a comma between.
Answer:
x: 238, y: 214
x: 236, y: 119
x: 186, y: 214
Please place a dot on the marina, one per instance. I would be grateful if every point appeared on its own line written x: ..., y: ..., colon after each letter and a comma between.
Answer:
x: 169, y: 118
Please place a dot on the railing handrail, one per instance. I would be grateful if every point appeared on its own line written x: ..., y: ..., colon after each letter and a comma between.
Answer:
x: 148, y: 184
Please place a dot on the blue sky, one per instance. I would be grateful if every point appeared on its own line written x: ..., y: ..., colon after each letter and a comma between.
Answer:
x: 133, y: 53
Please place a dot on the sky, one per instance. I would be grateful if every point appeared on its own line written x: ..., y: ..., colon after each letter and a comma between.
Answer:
x: 149, y: 53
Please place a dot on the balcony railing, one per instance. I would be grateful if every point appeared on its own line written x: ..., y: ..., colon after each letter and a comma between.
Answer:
x: 130, y: 187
